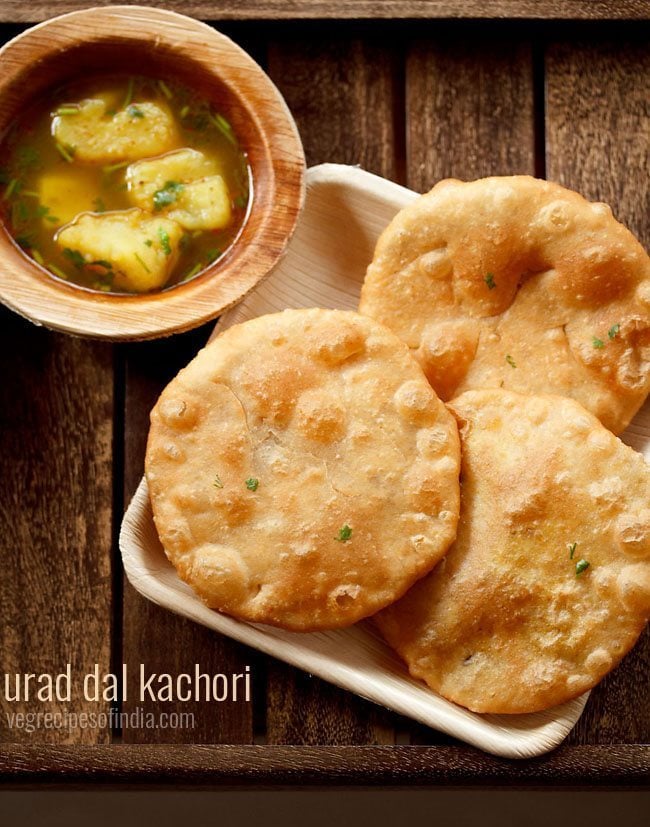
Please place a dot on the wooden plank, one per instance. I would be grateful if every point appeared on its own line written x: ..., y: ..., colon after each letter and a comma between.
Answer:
x: 15, y: 10
x: 210, y: 766
x: 469, y: 113
x: 304, y: 710
x: 341, y: 90
x: 56, y: 403
x: 163, y: 642
x: 469, y: 105
x: 344, y: 92
x: 598, y: 126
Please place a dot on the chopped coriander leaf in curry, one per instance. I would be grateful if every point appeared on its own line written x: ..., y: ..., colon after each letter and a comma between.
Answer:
x: 123, y: 184
x: 166, y: 195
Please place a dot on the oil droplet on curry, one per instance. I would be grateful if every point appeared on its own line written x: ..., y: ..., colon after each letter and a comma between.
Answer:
x: 124, y: 184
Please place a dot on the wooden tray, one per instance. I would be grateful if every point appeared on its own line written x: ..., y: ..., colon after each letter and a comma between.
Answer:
x: 346, y: 209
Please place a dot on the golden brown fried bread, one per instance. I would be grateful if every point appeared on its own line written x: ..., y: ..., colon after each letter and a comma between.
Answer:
x: 548, y: 583
x: 518, y: 283
x: 302, y: 472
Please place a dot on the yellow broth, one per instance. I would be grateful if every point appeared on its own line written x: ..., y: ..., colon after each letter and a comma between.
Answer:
x: 35, y: 163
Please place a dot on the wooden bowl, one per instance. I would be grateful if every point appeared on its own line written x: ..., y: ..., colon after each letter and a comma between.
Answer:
x: 157, y: 43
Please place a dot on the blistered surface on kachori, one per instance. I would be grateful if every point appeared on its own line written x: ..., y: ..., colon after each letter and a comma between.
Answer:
x: 518, y: 283
x: 302, y: 472
x: 513, y: 619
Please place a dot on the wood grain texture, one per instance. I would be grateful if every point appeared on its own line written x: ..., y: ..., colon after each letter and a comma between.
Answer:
x: 344, y: 92
x: 14, y: 10
x: 597, y: 140
x: 56, y: 411
x: 302, y: 709
x: 153, y: 636
x: 341, y: 90
x: 185, y: 766
x: 469, y: 108
x: 469, y: 113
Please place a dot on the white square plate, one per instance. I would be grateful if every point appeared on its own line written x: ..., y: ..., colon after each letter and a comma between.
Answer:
x: 345, y: 211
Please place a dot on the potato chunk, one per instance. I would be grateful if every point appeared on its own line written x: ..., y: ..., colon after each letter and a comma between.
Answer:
x: 183, y: 185
x: 202, y: 205
x: 94, y: 137
x: 151, y: 174
x: 138, y: 249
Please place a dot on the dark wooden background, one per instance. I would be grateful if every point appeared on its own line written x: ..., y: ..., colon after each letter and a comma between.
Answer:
x: 414, y: 101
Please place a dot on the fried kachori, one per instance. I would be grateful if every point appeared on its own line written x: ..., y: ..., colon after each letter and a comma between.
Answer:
x: 518, y: 283
x: 302, y: 471
x: 548, y: 583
